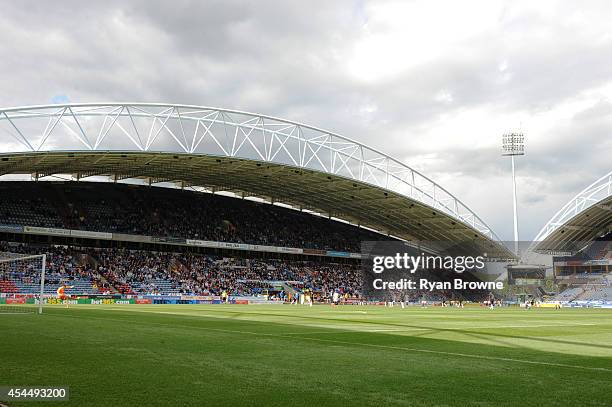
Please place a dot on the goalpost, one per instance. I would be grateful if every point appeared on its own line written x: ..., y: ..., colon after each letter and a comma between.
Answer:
x: 21, y: 274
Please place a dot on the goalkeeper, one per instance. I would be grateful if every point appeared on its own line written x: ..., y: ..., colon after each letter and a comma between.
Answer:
x: 61, y: 293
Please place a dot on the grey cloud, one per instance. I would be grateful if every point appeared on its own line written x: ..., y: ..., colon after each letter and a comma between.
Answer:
x: 287, y: 59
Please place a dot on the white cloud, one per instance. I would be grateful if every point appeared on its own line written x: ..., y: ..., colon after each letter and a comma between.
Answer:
x: 434, y: 83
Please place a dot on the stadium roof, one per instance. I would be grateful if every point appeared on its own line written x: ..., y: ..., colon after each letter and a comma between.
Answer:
x: 584, y: 218
x: 244, y: 153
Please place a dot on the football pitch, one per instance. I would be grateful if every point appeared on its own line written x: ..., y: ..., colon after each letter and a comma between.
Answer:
x: 284, y: 355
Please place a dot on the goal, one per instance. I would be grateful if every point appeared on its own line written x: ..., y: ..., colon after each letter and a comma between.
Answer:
x: 22, y: 278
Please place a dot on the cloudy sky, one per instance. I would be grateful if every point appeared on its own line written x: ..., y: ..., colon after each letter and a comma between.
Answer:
x: 433, y: 83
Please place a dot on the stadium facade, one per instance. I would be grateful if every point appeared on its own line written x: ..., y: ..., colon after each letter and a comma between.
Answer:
x: 247, y: 155
x: 587, y: 216
x: 579, y: 236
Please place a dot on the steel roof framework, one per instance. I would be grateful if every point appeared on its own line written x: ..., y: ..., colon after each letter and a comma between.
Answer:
x: 585, y: 217
x: 236, y: 151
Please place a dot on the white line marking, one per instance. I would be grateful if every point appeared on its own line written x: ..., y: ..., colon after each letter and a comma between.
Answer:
x: 371, y: 345
x: 519, y: 326
x: 402, y: 328
x: 16, y: 313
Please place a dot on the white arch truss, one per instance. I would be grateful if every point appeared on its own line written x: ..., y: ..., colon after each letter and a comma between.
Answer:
x: 152, y: 127
x: 591, y: 195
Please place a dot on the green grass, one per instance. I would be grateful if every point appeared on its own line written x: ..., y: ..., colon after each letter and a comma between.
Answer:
x: 285, y: 355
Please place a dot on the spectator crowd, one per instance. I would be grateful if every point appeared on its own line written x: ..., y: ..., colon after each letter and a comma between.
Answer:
x: 163, y: 212
x: 141, y: 272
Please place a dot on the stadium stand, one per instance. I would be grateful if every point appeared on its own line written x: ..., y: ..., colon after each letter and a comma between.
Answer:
x: 140, y: 272
x: 568, y: 295
x: 586, y: 276
x: 144, y: 272
x: 61, y: 267
x: 163, y: 269
x: 596, y: 293
x: 152, y: 211
x: 27, y: 209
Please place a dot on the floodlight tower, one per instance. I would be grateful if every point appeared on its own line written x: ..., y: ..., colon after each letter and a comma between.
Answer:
x: 513, y: 144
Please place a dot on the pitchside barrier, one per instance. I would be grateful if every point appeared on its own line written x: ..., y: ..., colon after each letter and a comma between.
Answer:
x: 28, y: 303
x: 14, y: 299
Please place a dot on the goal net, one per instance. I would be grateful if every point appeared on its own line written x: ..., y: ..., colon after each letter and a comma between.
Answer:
x: 22, y: 282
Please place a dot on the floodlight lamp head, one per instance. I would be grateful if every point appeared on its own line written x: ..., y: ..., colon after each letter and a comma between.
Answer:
x: 513, y: 144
